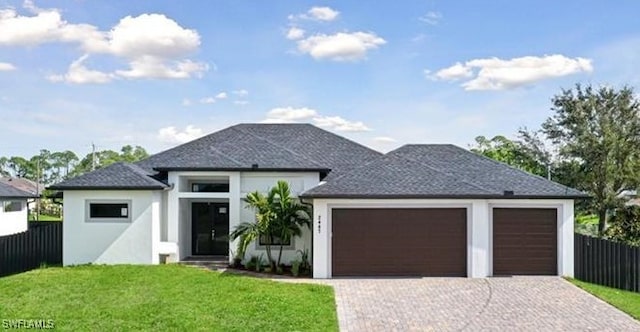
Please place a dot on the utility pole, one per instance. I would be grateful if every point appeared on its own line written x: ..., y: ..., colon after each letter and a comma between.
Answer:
x: 38, y: 188
x: 93, y: 156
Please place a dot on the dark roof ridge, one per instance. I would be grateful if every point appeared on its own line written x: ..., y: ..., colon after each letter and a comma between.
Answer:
x: 279, y: 146
x: 459, y: 178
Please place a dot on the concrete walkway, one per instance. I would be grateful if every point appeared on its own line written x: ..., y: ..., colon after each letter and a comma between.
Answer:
x: 492, y: 304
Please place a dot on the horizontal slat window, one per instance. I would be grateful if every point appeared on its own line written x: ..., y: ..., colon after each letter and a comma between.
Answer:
x: 108, y: 210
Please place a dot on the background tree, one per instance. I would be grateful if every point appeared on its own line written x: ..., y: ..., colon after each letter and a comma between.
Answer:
x: 4, y: 166
x: 599, y: 132
x: 513, y: 153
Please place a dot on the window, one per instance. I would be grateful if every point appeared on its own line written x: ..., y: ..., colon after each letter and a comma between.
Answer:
x: 275, y: 241
x: 12, y: 206
x: 210, y: 187
x: 108, y: 210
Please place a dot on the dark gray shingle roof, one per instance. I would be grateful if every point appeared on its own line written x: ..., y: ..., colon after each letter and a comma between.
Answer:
x: 270, y: 146
x: 118, y: 176
x: 7, y: 191
x: 439, y: 171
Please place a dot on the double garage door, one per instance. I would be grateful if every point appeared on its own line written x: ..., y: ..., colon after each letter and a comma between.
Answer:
x: 433, y: 242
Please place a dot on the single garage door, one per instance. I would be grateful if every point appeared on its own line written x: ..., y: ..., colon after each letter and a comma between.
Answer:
x: 525, y: 242
x: 399, y: 242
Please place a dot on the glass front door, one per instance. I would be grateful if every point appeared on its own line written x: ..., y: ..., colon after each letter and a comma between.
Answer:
x: 210, y: 228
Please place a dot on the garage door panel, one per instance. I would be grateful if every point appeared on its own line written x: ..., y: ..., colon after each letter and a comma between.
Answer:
x: 524, y: 241
x: 388, y: 242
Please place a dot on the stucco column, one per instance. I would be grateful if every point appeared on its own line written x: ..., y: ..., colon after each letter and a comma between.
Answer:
x: 321, y: 240
x: 173, y: 214
x: 566, y: 239
x: 235, y: 212
x: 155, y: 226
x: 478, y: 261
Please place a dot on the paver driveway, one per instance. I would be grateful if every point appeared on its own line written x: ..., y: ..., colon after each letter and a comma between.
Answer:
x: 492, y: 304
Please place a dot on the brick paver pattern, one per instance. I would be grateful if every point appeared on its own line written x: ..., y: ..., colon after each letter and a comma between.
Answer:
x: 459, y: 304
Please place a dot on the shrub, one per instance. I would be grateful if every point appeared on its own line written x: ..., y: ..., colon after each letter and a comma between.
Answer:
x: 624, y: 225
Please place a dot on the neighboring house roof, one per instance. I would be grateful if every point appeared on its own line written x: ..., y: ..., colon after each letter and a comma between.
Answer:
x: 118, y: 176
x: 439, y: 171
x: 7, y: 191
x: 23, y: 184
x: 277, y: 147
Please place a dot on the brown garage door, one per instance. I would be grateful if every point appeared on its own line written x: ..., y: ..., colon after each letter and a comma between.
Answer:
x: 399, y: 242
x: 525, y: 242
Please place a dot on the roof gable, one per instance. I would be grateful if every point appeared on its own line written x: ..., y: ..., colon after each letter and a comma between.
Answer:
x: 439, y: 171
x: 121, y: 176
x: 269, y: 146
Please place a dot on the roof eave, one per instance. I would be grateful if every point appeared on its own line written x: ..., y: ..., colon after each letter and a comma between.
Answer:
x: 63, y: 188
x: 414, y: 196
x: 238, y: 169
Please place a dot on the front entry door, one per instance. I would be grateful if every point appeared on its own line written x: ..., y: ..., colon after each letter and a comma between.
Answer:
x: 210, y: 228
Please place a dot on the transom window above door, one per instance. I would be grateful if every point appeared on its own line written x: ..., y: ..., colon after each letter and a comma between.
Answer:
x: 210, y: 187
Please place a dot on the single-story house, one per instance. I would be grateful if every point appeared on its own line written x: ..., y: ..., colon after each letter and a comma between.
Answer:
x: 13, y: 209
x: 428, y: 210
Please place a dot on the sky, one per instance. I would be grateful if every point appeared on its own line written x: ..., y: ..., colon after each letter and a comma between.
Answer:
x: 385, y: 73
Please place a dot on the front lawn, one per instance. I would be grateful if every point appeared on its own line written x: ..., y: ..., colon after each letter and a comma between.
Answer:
x: 626, y: 301
x: 164, y: 297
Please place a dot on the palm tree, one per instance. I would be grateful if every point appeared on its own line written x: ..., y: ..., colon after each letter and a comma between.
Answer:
x: 278, y: 216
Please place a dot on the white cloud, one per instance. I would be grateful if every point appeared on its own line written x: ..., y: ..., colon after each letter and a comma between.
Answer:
x: 342, y: 46
x: 290, y: 114
x: 186, y: 102
x: 5, y: 66
x: 79, y: 74
x: 431, y: 18
x: 317, y: 14
x: 498, y: 74
x: 241, y: 102
x: 221, y: 95
x: 241, y: 93
x: 295, y: 33
x: 171, y: 135
x: 455, y: 72
x: 153, y: 45
x: 384, y: 139
x: 150, y: 67
x: 323, y: 13
x: 208, y: 100
x: 339, y: 124
x: 304, y: 114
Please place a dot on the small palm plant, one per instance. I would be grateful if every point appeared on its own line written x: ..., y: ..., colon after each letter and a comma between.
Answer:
x: 278, y: 216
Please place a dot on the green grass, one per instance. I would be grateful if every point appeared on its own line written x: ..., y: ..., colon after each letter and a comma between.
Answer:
x: 587, y: 219
x: 44, y: 217
x: 164, y: 297
x: 626, y: 301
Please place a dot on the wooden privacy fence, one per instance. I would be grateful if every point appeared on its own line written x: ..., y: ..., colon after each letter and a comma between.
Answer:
x: 41, y: 244
x: 607, y: 263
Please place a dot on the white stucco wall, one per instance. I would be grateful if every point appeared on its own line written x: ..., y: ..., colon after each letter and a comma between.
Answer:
x: 179, y: 198
x: 15, y: 221
x: 112, y: 242
x: 479, y: 228
x: 263, y: 182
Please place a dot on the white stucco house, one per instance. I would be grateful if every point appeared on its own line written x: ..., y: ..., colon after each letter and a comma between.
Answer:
x: 13, y: 209
x: 429, y: 210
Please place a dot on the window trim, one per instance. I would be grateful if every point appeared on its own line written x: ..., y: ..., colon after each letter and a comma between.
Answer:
x: 87, y: 210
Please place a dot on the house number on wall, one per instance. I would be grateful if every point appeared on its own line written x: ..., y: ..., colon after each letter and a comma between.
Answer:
x: 319, y: 217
